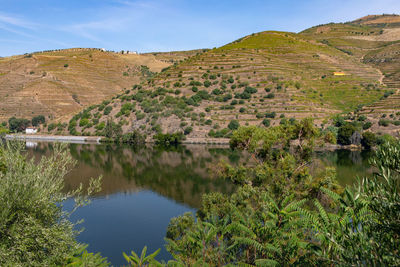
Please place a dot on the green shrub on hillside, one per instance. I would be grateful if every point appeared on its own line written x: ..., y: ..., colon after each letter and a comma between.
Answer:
x: 107, y: 110
x: 233, y: 125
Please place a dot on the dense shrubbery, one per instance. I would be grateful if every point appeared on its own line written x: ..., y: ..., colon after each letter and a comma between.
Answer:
x: 34, y: 231
x: 18, y: 124
x: 37, y: 120
x: 344, y: 134
x: 168, y: 139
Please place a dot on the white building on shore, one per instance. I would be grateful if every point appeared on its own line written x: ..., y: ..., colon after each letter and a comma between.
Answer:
x: 31, y: 130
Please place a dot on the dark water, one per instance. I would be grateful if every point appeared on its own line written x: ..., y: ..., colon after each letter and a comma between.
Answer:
x: 142, y: 189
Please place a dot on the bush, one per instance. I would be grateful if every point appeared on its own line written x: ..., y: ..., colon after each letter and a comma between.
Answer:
x: 344, y: 134
x: 242, y: 110
x: 107, y: 110
x: 187, y: 130
x: 83, y: 122
x: 362, y: 118
x: 133, y: 138
x: 207, y: 83
x: 100, y: 126
x: 270, y: 115
x: 168, y: 139
x: 271, y: 95
x: 233, y: 125
x: 367, y: 125
x: 217, y: 91
x: 368, y: 140
x: 17, y: 124
x: 250, y: 90
x: 34, y: 227
x: 51, y: 127
x: 266, y: 122
x: 36, y: 121
x: 383, y: 122
x: 330, y: 138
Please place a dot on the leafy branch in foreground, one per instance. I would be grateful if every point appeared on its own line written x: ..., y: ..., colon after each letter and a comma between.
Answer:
x: 34, y: 228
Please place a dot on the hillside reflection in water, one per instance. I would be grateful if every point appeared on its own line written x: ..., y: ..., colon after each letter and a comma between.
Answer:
x: 143, y: 188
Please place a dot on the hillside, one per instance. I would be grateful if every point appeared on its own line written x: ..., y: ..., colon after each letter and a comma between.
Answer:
x: 263, y: 78
x: 62, y: 82
x: 374, y: 40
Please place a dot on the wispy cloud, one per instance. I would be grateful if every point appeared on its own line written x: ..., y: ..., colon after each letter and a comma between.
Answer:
x: 16, y: 21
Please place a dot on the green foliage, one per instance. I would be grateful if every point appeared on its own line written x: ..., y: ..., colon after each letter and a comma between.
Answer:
x: 51, y: 126
x: 368, y: 140
x: 345, y: 132
x: 107, y: 110
x: 266, y: 122
x: 187, y: 130
x: 112, y: 131
x: 17, y: 124
x: 270, y: 95
x: 168, y: 139
x: 34, y: 230
x: 383, y: 122
x: 367, y: 125
x: 143, y: 260
x: 37, y: 120
x: 207, y: 83
x: 83, y: 122
x: 233, y: 125
x: 133, y: 138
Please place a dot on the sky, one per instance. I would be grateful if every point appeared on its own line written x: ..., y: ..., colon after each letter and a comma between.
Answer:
x: 163, y: 25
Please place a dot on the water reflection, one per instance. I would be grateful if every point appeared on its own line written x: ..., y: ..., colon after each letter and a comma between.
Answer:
x: 181, y: 174
x: 143, y: 188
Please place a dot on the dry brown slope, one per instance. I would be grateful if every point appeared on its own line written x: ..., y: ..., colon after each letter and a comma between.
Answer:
x: 62, y: 82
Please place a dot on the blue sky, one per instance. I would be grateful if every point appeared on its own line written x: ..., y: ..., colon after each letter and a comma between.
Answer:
x: 163, y: 25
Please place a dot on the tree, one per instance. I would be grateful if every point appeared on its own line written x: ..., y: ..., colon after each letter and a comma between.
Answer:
x: 36, y: 121
x: 368, y: 140
x: 344, y: 134
x: 34, y: 229
x: 266, y: 122
x: 233, y: 125
x: 18, y: 124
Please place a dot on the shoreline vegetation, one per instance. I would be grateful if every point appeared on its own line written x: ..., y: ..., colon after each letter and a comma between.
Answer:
x: 279, y: 215
x: 102, y: 139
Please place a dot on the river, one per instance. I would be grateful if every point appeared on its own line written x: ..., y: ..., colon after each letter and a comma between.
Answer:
x: 142, y: 189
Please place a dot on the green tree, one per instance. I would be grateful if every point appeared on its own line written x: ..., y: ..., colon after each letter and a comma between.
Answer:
x: 233, y: 125
x: 344, y: 134
x: 17, y: 124
x: 36, y: 121
x: 368, y: 140
x: 34, y: 229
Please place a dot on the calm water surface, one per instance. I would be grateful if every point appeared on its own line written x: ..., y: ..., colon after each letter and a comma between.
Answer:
x: 142, y: 189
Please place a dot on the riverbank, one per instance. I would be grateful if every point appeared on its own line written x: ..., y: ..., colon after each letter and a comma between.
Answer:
x: 97, y: 139
x: 187, y: 141
x: 54, y: 138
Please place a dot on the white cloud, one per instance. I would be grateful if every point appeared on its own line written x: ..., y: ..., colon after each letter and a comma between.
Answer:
x: 16, y: 21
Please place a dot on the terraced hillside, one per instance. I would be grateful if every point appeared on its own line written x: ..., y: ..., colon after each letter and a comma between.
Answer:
x: 264, y: 78
x: 175, y: 56
x: 62, y: 82
x: 374, y: 40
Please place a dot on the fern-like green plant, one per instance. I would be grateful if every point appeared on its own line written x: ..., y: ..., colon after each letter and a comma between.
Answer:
x: 143, y: 260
